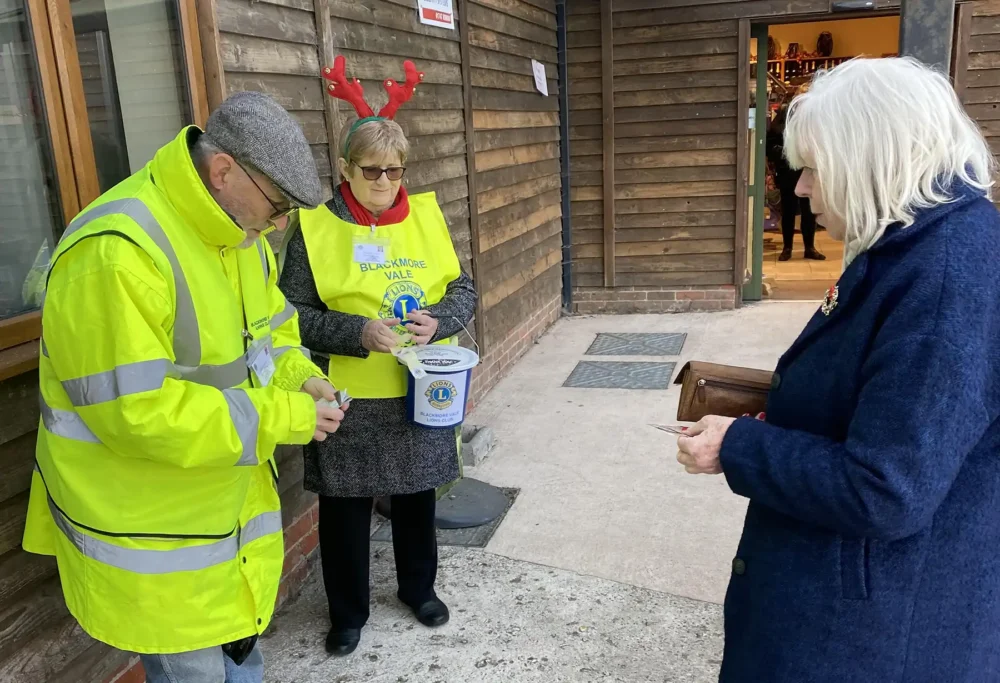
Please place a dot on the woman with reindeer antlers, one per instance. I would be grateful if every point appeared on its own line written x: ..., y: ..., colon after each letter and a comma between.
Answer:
x: 372, y: 267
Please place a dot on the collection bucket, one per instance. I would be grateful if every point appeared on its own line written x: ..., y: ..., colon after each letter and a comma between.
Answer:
x: 438, y: 398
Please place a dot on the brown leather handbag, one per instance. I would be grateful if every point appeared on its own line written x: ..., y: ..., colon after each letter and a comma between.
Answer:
x: 726, y: 390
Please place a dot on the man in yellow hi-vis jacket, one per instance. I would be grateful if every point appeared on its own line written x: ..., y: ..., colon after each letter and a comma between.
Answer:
x: 170, y: 369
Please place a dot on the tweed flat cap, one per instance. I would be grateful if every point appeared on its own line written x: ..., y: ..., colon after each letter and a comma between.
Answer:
x: 257, y: 131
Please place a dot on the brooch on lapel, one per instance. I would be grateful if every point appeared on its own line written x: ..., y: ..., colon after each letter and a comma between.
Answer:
x: 830, y: 300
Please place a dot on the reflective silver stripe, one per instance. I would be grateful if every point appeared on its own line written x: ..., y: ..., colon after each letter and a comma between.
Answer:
x: 187, y: 344
x: 283, y: 317
x: 132, y: 378
x: 247, y: 421
x: 263, y: 259
x: 65, y: 423
x: 226, y: 376
x: 142, y: 561
x: 279, y: 350
x: 262, y: 525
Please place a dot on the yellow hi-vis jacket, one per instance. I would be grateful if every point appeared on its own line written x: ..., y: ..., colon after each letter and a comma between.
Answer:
x: 155, y: 485
x: 419, y: 262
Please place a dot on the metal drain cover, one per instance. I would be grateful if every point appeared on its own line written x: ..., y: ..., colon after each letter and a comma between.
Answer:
x: 470, y: 537
x: 620, y: 375
x: 637, y: 344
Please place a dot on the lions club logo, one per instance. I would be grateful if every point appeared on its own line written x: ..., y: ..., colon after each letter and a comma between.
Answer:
x: 440, y: 394
x: 401, y: 299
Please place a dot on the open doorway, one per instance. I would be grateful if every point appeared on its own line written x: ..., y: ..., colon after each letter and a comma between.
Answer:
x: 798, y: 260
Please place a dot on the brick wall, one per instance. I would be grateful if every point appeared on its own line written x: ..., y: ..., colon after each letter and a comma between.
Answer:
x: 500, y: 358
x: 653, y: 299
x: 301, y: 552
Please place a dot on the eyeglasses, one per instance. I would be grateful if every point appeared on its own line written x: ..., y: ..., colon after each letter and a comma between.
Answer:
x: 375, y: 172
x: 278, y: 212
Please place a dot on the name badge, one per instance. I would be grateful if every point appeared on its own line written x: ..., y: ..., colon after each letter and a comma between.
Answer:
x: 370, y: 251
x: 261, y: 360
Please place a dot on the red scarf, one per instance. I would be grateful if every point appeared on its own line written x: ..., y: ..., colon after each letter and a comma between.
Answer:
x: 396, y: 213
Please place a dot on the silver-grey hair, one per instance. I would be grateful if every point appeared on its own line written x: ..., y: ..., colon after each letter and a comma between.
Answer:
x: 885, y: 138
x: 203, y: 149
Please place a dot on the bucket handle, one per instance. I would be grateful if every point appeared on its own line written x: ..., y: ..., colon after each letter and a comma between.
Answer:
x: 456, y: 319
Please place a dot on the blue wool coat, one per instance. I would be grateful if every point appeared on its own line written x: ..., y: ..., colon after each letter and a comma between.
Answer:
x: 871, y: 547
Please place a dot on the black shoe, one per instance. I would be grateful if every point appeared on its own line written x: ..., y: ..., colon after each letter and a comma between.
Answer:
x: 341, y: 642
x: 786, y: 255
x: 432, y: 613
x: 814, y: 255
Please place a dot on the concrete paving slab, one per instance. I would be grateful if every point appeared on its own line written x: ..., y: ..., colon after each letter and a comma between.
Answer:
x: 601, y: 492
x: 512, y: 622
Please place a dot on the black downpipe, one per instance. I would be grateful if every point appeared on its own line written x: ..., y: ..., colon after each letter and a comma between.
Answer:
x: 567, y: 235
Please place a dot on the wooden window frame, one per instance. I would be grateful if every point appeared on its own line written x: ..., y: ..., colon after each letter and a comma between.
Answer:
x: 68, y: 128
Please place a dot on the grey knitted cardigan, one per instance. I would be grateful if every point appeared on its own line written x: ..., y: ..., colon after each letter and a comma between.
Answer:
x: 377, y: 451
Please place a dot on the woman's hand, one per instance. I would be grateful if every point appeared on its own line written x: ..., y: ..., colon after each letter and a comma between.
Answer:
x: 423, y: 326
x: 378, y: 335
x: 698, y: 450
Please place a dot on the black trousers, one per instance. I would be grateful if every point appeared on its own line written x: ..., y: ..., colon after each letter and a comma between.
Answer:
x: 791, y: 204
x: 344, y: 538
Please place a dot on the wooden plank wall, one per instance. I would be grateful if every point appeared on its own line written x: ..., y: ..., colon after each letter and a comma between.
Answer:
x: 586, y: 134
x: 270, y: 46
x: 981, y: 94
x: 376, y: 36
x: 675, y: 150
x: 517, y: 161
x: 674, y: 71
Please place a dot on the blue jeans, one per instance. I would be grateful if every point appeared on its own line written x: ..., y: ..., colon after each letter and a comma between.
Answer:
x: 203, y: 666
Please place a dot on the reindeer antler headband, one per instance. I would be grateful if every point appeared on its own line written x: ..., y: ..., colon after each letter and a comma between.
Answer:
x: 351, y: 92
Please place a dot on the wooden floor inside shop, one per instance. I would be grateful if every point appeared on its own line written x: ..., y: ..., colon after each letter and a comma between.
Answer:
x: 800, y: 279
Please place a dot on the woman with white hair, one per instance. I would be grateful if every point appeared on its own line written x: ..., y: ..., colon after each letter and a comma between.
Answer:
x: 868, y: 550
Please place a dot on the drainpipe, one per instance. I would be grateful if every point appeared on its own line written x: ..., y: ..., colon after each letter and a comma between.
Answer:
x: 567, y: 235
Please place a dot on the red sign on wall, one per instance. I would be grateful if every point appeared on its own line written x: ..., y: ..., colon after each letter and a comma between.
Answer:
x: 439, y: 13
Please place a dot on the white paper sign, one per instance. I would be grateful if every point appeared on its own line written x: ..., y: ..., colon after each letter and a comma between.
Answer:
x: 752, y: 119
x: 541, y: 83
x: 439, y: 13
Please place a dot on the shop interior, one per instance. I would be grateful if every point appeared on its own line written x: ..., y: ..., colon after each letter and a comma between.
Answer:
x: 794, y: 53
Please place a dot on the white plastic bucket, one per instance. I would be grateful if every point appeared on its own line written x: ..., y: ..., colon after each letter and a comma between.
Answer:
x: 438, y: 399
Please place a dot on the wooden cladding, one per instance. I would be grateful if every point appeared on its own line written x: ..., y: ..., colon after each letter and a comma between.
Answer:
x: 516, y: 160
x: 272, y: 48
x: 981, y: 73
x: 375, y: 37
x: 482, y: 138
x: 654, y: 123
x: 608, y: 151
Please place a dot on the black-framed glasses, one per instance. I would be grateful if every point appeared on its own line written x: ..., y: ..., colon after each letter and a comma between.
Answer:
x: 278, y: 212
x: 375, y: 172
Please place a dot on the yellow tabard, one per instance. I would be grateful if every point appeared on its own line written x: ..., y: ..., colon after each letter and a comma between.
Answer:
x: 419, y: 262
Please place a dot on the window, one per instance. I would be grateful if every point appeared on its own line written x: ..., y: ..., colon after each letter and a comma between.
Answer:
x: 89, y: 90
x: 132, y: 65
x: 30, y: 215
